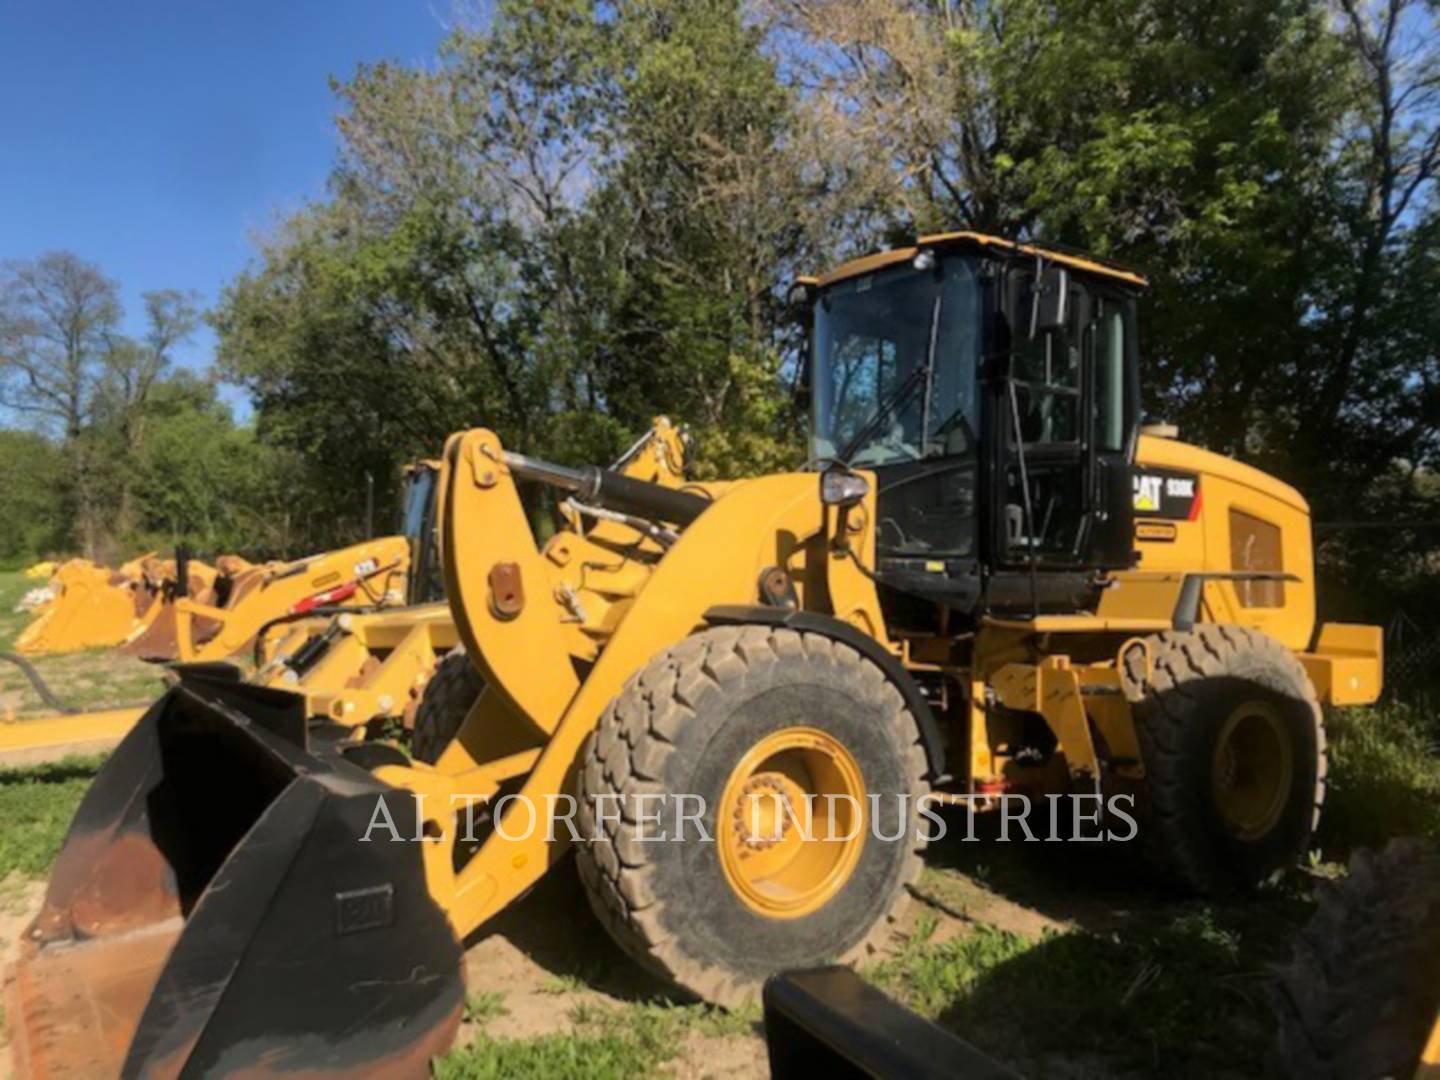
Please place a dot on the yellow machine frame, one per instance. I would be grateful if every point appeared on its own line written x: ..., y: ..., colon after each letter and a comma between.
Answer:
x: 579, y: 594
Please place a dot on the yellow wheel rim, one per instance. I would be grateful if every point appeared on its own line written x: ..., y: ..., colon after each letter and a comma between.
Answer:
x: 785, y: 847
x: 1252, y: 771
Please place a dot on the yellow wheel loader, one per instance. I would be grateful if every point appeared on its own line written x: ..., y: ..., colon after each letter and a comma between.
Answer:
x: 225, y: 619
x: 733, y: 699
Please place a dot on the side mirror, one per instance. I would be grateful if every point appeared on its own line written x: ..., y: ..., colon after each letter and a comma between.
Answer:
x: 800, y: 298
x: 1049, y: 301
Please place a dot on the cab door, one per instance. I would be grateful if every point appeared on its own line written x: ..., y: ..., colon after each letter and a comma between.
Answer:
x: 1064, y: 436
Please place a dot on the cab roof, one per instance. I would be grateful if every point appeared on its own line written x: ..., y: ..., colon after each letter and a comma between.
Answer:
x: 981, y: 242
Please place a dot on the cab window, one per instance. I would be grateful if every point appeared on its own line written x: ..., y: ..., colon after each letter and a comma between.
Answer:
x: 1109, y: 331
x: 1255, y: 545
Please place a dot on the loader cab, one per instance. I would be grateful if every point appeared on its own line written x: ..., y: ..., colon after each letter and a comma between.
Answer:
x: 995, y: 397
x: 417, y: 525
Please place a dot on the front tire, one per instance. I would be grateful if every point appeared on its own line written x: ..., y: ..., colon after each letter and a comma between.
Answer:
x: 448, y: 696
x: 747, y: 718
x: 1233, y: 745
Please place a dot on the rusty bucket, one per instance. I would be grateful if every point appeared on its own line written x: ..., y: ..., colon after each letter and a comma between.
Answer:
x: 214, y: 910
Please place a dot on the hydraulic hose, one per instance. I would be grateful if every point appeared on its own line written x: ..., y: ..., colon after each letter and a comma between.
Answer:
x: 46, y: 695
x: 310, y: 613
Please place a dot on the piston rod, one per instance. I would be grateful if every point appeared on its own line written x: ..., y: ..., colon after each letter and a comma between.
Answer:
x: 612, y: 490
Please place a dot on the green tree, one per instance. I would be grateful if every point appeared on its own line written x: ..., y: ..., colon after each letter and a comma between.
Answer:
x: 201, y: 481
x: 58, y: 317
x: 1270, y: 166
x: 578, y: 220
x: 134, y: 368
x: 32, y: 518
x: 66, y: 365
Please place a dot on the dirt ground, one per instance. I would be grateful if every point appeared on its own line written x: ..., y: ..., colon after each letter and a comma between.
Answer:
x: 545, y: 965
x: 547, y: 959
x: 19, y: 903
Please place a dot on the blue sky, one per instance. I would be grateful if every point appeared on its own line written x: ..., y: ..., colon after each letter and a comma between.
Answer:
x: 156, y: 138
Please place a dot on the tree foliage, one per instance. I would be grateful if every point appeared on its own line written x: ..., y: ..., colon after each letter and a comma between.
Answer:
x: 576, y: 221
x: 123, y: 450
x: 582, y: 214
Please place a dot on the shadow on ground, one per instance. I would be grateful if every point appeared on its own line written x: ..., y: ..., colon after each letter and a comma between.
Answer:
x: 553, y: 927
x: 1071, y: 960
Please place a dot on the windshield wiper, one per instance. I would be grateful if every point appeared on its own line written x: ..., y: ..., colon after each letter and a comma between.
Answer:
x: 886, y: 407
x: 899, y: 394
x: 959, y: 416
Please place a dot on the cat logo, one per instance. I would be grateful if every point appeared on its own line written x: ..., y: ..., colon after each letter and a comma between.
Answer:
x: 1147, y: 492
x: 1163, y: 493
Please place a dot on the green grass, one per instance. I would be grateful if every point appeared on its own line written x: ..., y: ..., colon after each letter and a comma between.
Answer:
x: 1184, y: 992
x: 36, y: 805
x: 13, y: 586
x: 606, y: 1044
x: 557, y: 1057
x: 485, y: 1005
x: 665, y: 1019
x: 1384, y: 777
x: 560, y: 985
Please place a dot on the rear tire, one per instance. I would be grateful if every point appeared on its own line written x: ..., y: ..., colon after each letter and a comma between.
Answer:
x: 700, y: 719
x: 1233, y: 745
x: 1361, y: 994
x: 453, y: 687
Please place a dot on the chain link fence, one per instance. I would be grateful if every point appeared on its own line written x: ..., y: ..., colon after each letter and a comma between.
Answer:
x: 1412, y: 658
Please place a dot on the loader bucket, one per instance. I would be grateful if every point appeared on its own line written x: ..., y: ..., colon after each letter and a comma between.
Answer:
x: 93, y: 610
x: 158, y: 641
x: 215, y: 911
